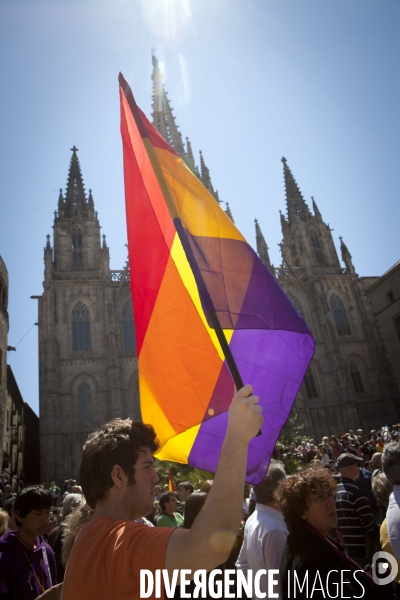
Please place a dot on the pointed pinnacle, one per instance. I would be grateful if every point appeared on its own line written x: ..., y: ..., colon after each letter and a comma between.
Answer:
x: 228, y: 212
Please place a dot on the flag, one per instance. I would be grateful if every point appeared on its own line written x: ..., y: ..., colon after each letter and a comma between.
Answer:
x: 187, y: 258
x: 171, y: 482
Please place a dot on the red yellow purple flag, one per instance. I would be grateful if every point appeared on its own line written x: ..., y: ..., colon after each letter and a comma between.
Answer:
x: 187, y: 259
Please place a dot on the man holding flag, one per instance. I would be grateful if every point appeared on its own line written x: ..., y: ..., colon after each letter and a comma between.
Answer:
x: 118, y: 480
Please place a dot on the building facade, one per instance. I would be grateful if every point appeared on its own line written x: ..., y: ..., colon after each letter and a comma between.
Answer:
x: 384, y: 296
x: 87, y: 355
x: 350, y: 383
x: 19, y: 425
x: 3, y: 350
x: 21, y: 456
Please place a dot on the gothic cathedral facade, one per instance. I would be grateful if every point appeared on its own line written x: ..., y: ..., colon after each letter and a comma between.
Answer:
x: 87, y: 356
x: 349, y: 383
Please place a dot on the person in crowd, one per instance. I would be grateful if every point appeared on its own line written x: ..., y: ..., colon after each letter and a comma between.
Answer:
x: 324, y: 455
x: 364, y: 483
x: 169, y: 516
x: 352, y: 436
x: 337, y: 447
x: 379, y: 444
x: 265, y: 531
x: 6, y: 493
x: 70, y: 502
x: 206, y: 486
x: 52, y: 524
x: 3, y: 522
x: 9, y: 508
x: 365, y: 453
x: 327, y: 446
x: 57, y: 514
x: 307, y: 503
x: 184, y: 490
x: 311, y: 454
x: 157, y: 492
x: 246, y: 501
x: 373, y: 436
x: 118, y: 477
x: 55, y: 491
x: 27, y: 564
x: 354, y: 516
x: 382, y: 489
x: 72, y: 526
x: 303, y: 449
x: 3, y: 481
x: 193, y: 506
x: 376, y: 461
x: 360, y: 436
x: 391, y: 468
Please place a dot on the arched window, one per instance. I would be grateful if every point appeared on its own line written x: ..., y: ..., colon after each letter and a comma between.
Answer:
x: 127, y: 326
x: 309, y: 382
x: 81, y: 327
x: 318, y: 254
x: 296, y: 303
x: 356, y: 378
x: 84, y: 403
x: 339, y: 315
x: 77, y: 252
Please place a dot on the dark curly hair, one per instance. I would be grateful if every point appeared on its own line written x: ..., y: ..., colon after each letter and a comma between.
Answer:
x: 115, y: 443
x: 294, y: 492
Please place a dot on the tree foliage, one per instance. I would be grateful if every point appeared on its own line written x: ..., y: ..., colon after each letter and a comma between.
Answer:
x: 291, y: 431
x: 181, y: 473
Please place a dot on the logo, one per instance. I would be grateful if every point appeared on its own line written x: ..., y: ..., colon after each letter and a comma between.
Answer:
x: 384, y: 568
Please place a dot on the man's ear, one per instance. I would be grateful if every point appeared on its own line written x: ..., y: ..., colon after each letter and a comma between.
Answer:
x: 118, y: 476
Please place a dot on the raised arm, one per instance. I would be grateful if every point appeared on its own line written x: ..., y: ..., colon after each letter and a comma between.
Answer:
x: 209, y: 541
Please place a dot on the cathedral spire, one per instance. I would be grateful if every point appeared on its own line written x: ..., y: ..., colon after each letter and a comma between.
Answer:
x: 284, y: 223
x: 262, y: 249
x: 75, y: 197
x: 346, y: 258
x: 296, y: 206
x: 229, y: 212
x: 206, y: 179
x: 189, y: 157
x: 163, y: 118
x: 316, y: 210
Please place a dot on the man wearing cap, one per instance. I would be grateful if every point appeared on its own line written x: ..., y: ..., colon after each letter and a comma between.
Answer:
x: 354, y: 515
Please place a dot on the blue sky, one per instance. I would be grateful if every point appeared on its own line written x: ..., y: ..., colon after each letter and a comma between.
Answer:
x: 250, y: 81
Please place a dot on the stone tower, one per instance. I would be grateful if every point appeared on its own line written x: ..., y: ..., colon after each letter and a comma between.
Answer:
x: 349, y: 383
x: 87, y: 352
x: 164, y: 122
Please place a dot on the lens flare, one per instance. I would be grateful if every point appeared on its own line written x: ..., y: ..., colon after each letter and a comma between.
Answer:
x: 167, y: 19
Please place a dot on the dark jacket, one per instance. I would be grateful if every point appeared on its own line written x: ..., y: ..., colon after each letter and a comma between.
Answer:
x: 17, y: 577
x: 307, y: 552
x: 354, y: 518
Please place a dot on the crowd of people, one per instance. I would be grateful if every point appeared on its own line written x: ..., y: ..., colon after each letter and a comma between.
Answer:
x: 330, y: 516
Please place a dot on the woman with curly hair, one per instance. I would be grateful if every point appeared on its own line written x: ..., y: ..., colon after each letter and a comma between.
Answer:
x: 313, y: 565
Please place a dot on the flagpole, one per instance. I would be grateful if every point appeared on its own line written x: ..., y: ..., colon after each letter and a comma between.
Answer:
x: 237, y: 378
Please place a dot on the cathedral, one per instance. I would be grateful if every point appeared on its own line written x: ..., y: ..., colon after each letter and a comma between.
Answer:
x: 87, y: 358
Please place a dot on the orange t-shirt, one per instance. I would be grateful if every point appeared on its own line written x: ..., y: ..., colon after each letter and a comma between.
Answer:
x: 107, y: 556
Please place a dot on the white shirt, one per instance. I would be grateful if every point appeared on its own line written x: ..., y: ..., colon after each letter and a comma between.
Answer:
x: 264, y: 539
x: 393, y: 520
